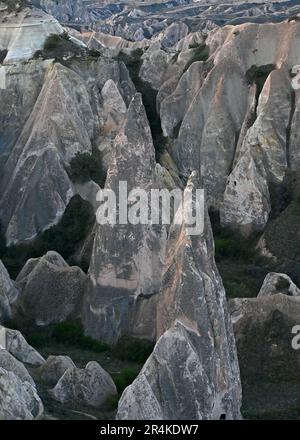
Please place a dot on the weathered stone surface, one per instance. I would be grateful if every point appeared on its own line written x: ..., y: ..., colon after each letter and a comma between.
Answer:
x: 18, y: 400
x: 262, y: 159
x: 54, y: 368
x: 24, y: 32
x: 126, y: 259
x: 14, y: 342
x: 91, y: 386
x: 263, y: 332
x: 193, y: 371
x: 173, y: 34
x: 35, y: 186
x: 8, y: 293
x: 155, y: 63
x: 50, y: 290
x: 207, y: 136
x: 9, y: 363
x: 174, y: 107
x: 278, y: 283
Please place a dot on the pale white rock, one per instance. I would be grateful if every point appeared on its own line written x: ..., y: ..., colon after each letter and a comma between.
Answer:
x: 54, y: 368
x: 193, y: 372
x: 15, y: 343
x: 208, y: 132
x: 262, y: 159
x: 173, y: 34
x: 126, y: 259
x: 18, y: 400
x: 9, y: 363
x: 90, y: 386
x: 246, y: 206
x: 36, y: 170
x: 278, y: 283
x: 174, y: 107
x: 25, y: 32
x: 50, y: 290
x: 154, y: 66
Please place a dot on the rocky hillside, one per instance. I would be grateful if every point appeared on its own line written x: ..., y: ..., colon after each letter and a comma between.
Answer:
x: 149, y: 318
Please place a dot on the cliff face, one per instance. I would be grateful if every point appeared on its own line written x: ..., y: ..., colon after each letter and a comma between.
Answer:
x: 195, y: 353
x: 24, y: 31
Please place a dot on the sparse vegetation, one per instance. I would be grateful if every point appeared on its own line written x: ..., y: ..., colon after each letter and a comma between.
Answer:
x: 86, y: 166
x: 149, y: 95
x: 125, y: 378
x: 242, y: 271
x: 55, y: 40
x: 71, y: 333
x: 258, y: 75
x: 61, y: 48
x: 132, y: 349
x: 200, y: 53
x: 282, y: 284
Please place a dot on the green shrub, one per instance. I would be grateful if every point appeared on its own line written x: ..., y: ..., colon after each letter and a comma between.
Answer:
x: 132, y: 349
x: 55, y: 40
x: 227, y: 248
x: 94, y: 53
x: 86, y: 166
x: 125, y: 378
x: 282, y: 284
x: 72, y: 334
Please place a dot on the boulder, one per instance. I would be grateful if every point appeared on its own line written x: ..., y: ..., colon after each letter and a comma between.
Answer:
x: 54, y: 368
x: 14, y: 342
x: 50, y: 290
x: 193, y: 372
x: 278, y: 283
x: 18, y: 400
x: 90, y: 386
x: 8, y: 293
x: 9, y: 363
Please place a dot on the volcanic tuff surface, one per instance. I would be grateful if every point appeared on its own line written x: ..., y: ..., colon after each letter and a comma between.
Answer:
x: 154, y: 94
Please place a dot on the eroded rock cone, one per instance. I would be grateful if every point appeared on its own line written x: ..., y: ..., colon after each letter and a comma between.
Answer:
x: 125, y: 268
x: 193, y: 371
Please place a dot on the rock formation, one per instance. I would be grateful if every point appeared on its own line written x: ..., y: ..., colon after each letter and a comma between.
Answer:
x: 195, y: 354
x: 90, y: 386
x: 50, y: 290
x: 125, y: 269
x: 18, y: 400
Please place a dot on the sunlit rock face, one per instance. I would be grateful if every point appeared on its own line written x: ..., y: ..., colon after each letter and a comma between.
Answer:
x: 193, y: 372
x: 25, y: 31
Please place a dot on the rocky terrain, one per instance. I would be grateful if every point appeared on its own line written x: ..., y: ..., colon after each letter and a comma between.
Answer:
x: 149, y: 321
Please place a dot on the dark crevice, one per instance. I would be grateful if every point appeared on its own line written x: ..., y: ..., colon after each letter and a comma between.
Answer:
x: 133, y: 63
x: 289, y: 127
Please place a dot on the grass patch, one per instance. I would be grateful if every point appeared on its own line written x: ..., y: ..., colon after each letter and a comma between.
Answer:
x: 242, y: 271
x: 132, y: 349
x: 64, y: 238
x: 71, y: 333
x: 125, y: 378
